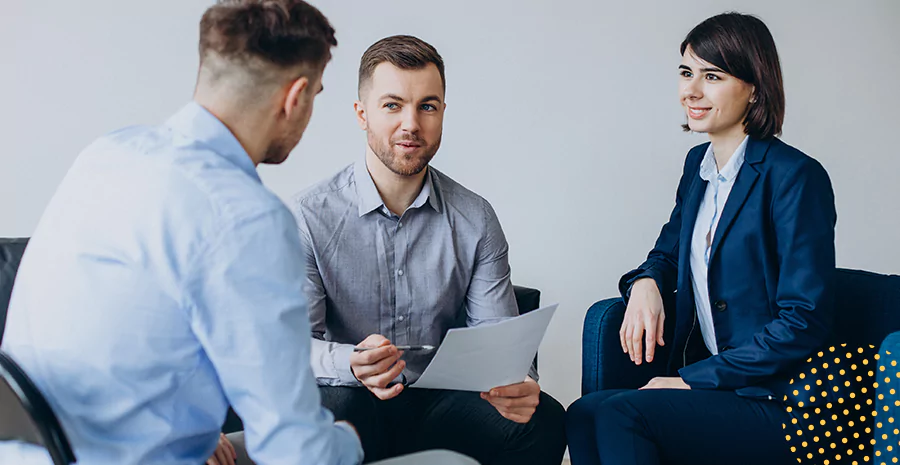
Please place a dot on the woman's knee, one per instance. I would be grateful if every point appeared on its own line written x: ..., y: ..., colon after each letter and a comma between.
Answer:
x: 580, y: 413
x: 601, y: 410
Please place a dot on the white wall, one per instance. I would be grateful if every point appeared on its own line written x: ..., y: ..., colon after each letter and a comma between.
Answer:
x: 564, y: 114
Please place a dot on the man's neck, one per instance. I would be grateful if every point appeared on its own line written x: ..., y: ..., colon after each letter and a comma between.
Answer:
x: 396, y: 191
x: 247, y: 127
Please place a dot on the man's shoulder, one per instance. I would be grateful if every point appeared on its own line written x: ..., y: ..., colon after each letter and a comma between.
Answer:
x: 333, y: 194
x: 457, y: 196
x: 189, y: 176
x: 334, y: 186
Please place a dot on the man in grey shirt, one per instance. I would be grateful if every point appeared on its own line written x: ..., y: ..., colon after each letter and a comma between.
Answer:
x: 397, y: 253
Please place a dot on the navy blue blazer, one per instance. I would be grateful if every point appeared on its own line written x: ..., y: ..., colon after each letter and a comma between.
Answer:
x: 770, y: 270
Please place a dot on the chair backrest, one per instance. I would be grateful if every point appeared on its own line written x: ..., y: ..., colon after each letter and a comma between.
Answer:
x: 25, y: 415
x: 11, y: 251
x: 868, y: 307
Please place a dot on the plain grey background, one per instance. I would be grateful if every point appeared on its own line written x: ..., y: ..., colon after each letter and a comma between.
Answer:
x: 564, y: 114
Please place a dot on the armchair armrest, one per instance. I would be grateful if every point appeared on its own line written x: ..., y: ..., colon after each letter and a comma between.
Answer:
x: 603, y: 364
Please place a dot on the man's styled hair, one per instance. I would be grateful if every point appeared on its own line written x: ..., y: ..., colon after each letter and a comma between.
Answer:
x: 404, y: 52
x: 265, y: 38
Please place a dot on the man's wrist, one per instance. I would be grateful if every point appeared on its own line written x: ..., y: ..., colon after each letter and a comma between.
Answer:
x: 342, y: 366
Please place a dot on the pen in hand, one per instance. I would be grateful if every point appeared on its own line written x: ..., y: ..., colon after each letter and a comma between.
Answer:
x: 424, y: 348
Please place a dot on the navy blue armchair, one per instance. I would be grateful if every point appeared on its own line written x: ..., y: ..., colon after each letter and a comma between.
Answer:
x: 868, y: 310
x: 868, y: 313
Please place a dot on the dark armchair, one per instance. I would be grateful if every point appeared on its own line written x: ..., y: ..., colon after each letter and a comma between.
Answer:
x: 868, y: 312
x: 26, y: 416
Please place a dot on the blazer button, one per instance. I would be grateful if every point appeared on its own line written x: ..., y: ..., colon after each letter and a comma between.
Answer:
x: 721, y: 305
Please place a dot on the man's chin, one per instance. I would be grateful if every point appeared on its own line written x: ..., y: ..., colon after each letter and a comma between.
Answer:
x: 410, y: 169
x: 276, y: 155
x: 275, y: 160
x: 408, y: 172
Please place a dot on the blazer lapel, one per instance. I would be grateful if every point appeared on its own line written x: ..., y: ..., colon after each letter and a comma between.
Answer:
x: 684, y: 302
x: 689, y: 212
x: 746, y: 179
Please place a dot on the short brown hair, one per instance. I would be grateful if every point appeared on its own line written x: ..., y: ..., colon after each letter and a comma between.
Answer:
x: 404, y: 52
x: 281, y: 33
x: 742, y: 46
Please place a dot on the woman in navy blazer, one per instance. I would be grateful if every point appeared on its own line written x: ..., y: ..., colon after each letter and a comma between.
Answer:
x: 748, y: 252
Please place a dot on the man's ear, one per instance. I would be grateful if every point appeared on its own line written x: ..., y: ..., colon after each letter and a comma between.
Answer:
x: 361, y: 117
x: 294, y: 94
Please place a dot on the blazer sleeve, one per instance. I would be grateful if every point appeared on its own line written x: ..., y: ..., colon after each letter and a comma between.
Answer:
x: 804, y: 217
x: 662, y: 261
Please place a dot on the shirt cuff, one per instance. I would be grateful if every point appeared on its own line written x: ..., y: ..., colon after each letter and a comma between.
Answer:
x: 341, y: 358
x: 349, y: 443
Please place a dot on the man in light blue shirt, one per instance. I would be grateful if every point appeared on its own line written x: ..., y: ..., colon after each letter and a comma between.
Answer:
x: 160, y: 286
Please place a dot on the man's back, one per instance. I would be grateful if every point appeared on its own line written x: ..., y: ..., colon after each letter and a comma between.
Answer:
x: 135, y: 308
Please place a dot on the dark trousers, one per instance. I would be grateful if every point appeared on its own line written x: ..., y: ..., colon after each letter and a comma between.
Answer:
x: 670, y: 426
x: 423, y: 419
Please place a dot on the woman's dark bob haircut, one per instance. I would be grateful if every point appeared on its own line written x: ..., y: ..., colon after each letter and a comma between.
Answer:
x: 742, y: 46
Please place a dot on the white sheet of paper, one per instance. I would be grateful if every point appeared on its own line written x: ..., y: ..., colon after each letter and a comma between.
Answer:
x: 484, y: 357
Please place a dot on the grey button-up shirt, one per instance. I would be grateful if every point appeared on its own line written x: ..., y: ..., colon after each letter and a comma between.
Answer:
x: 442, y: 264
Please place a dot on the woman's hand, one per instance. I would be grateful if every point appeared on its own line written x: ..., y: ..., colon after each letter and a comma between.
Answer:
x: 666, y: 383
x: 644, y: 321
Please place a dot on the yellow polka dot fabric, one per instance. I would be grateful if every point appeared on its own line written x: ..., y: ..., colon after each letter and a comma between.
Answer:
x: 833, y: 408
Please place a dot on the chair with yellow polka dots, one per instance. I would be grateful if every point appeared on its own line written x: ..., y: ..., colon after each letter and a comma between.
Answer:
x: 845, y: 405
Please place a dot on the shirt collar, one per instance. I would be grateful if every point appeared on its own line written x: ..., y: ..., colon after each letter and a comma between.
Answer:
x: 370, y: 199
x: 199, y: 124
x: 709, y: 170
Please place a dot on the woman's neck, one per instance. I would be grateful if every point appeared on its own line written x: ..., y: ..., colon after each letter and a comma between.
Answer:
x: 724, y: 144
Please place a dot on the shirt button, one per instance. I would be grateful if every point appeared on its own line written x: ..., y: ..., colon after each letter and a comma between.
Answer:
x: 400, y: 318
x: 399, y: 225
x: 400, y: 272
x: 721, y: 305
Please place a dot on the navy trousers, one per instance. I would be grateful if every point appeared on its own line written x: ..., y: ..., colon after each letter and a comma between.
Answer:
x: 675, y: 427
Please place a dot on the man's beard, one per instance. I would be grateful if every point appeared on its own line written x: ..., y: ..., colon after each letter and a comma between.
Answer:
x: 279, y: 150
x: 404, y: 164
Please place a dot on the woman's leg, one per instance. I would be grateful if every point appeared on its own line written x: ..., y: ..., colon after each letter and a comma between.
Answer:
x: 581, y: 431
x: 653, y: 426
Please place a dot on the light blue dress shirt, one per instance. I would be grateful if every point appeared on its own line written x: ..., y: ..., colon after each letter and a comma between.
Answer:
x: 717, y: 191
x: 162, y: 285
